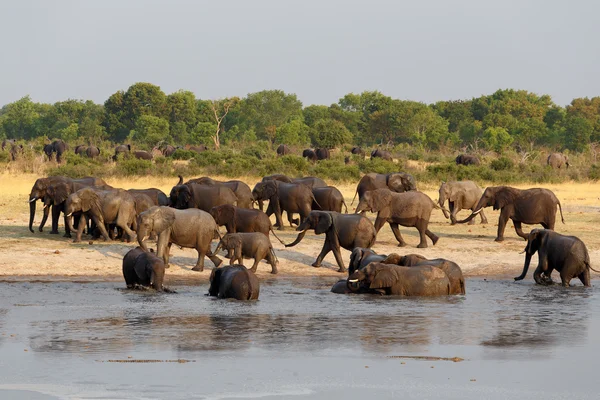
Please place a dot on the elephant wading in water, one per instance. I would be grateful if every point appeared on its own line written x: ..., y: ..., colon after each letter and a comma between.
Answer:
x: 341, y: 230
x: 411, y: 209
x: 249, y: 245
x: 398, y: 182
x: 192, y: 228
x: 141, y: 268
x: 461, y: 195
x: 386, y: 279
x: 566, y: 254
x: 103, y: 207
x: 234, y: 282
x: 529, y: 206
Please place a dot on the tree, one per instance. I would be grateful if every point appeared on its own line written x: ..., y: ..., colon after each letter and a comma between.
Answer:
x: 19, y: 119
x: 497, y: 139
x: 578, y: 133
x: 293, y: 132
x: 181, y: 107
x: 150, y: 130
x: 114, y: 117
x: 220, y: 109
x: 330, y: 133
x: 143, y: 99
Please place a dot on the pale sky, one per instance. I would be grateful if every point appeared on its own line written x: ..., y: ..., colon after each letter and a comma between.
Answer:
x: 424, y: 50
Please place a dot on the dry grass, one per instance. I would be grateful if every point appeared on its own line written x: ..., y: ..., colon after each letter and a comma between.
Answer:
x: 25, y: 255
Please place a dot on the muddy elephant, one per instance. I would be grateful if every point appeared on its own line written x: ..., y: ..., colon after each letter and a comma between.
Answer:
x: 361, y: 257
x: 328, y: 199
x: 529, y: 206
x: 142, y: 201
x: 283, y: 149
x: 322, y: 153
x: 289, y: 197
x: 397, y: 182
x: 450, y: 268
x: 378, y: 153
x: 168, y: 150
x: 411, y: 209
x: 142, y: 155
x: 115, y: 206
x: 158, y: 197
x: 387, y: 279
x: 57, y: 198
x: 59, y: 147
x: 142, y: 268
x: 557, y: 160
x: 358, y: 151
x: 192, y: 228
x: 194, y: 195
x: 238, y: 219
x: 92, y: 152
x: 80, y: 149
x: 249, y: 245
x: 240, y: 189
x: 15, y: 151
x: 234, y: 282
x: 341, y: 230
x: 566, y: 254
x: 124, y: 149
x: 466, y: 159
x: 310, y: 155
x: 462, y: 195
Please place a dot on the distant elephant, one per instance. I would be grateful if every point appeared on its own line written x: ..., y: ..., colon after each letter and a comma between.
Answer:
x: 361, y: 257
x: 39, y: 191
x: 386, y: 279
x: 289, y: 197
x: 411, y: 209
x: 190, y: 228
x: 168, y: 150
x: 341, y: 230
x: 529, y: 206
x: 234, y: 282
x: 15, y: 150
x: 240, y: 189
x: 58, y: 147
x: 557, y: 160
x: 566, y: 254
x: 156, y: 152
x: 158, y: 197
x: 397, y: 182
x: 462, y: 195
x: 328, y: 199
x: 204, y: 197
x: 466, y: 159
x: 249, y: 245
x: 92, y: 152
x: 310, y: 155
x: 80, y: 149
x: 450, y: 268
x: 238, y: 219
x: 103, y: 207
x: 6, y: 143
x: 322, y: 153
x: 378, y: 153
x: 124, y: 149
x: 197, y: 149
x: 358, y: 151
x: 283, y: 149
x: 144, y: 269
x: 142, y: 155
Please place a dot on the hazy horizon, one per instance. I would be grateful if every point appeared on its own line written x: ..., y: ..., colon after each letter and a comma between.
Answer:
x: 321, y: 50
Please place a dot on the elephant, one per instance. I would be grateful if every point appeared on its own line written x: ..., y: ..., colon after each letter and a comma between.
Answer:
x: 142, y: 155
x: 346, y: 230
x: 15, y: 150
x: 240, y: 189
x: 56, y: 196
x: 557, y: 160
x: 204, y: 197
x: 92, y: 152
x: 197, y: 149
x: 158, y: 197
x: 190, y: 228
x: 7, y: 143
x: 412, y: 209
x: 466, y: 159
x: 115, y: 206
x: 80, y: 149
x: 249, y: 245
x: 234, y: 282
x: 142, y: 201
x: 566, y: 254
x: 529, y: 206
x: 450, y: 268
x: 361, y: 257
x: 39, y: 191
x: 283, y: 149
x: 156, y: 152
x: 168, y: 150
x: 289, y: 197
x: 144, y: 269
x: 238, y: 219
x: 307, y: 180
x: 461, y: 195
x: 397, y: 182
x: 378, y: 153
x: 328, y: 199
x: 277, y: 177
x: 358, y: 151
x: 124, y: 149
x: 58, y: 147
x: 322, y: 153
x: 386, y: 279
x: 310, y: 155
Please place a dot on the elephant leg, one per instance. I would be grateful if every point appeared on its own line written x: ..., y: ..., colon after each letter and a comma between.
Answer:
x: 272, y: 262
x: 326, y: 249
x: 537, y: 275
x: 255, y: 264
x: 67, y: 229
x: 101, y: 227
x: 290, y: 218
x: 584, y: 277
x: 379, y: 222
x: 122, y: 223
x: 80, y: 227
x: 434, y: 238
x: 200, y: 263
x: 398, y: 235
x: 45, y: 218
x: 453, y: 210
x: 501, y: 225
x: 214, y: 259
x: 519, y: 230
x: 483, y: 217
x: 55, y: 218
x: 338, y: 258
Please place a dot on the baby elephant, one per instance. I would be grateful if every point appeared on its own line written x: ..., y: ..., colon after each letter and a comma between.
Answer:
x: 143, y: 269
x: 249, y: 245
x: 234, y: 281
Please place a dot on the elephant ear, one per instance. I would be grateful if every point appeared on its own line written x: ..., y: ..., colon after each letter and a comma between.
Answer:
x: 227, y: 213
x: 61, y: 193
x: 162, y: 218
x: 270, y: 189
x: 142, y: 269
x: 395, y: 182
x: 384, y: 278
x: 455, y: 194
x: 232, y: 241
x: 502, y: 198
x: 355, y: 257
x: 185, y: 194
x: 537, y: 238
x: 323, y: 223
x: 380, y: 199
x: 90, y: 201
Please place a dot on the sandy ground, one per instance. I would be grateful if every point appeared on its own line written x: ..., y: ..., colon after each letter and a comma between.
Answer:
x: 41, y: 256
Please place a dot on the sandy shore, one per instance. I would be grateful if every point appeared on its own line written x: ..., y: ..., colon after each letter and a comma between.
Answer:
x: 41, y: 256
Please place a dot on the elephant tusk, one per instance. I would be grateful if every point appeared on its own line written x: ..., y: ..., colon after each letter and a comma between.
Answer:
x: 352, y: 280
x: 523, y: 251
x: 478, y: 211
x: 32, y: 199
x: 69, y: 214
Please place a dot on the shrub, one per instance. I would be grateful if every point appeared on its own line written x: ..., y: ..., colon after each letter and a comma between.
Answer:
x: 594, y: 173
x: 181, y: 154
x: 502, y: 164
x: 133, y: 166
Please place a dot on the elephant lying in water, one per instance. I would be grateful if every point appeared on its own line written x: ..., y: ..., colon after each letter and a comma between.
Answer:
x: 235, y: 282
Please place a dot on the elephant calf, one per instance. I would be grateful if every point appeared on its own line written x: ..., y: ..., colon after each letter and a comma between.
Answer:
x: 249, y: 245
x: 143, y: 269
x: 235, y: 282
x: 361, y: 257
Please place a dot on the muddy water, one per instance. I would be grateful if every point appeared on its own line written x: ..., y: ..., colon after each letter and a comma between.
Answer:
x: 59, y: 340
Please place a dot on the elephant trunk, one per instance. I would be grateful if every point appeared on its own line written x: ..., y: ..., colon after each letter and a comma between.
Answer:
x: 141, y: 236
x: 362, y: 206
x: 157, y: 280
x: 32, y: 202
x: 70, y: 221
x: 298, y: 239
x: 470, y: 217
x: 441, y: 202
x: 525, y: 267
x: 45, y: 217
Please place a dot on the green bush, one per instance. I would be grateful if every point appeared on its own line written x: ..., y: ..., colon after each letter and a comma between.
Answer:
x: 134, y: 166
x: 502, y: 164
x: 379, y: 165
x: 181, y: 154
x: 594, y: 173
x: 4, y: 156
x: 77, y: 171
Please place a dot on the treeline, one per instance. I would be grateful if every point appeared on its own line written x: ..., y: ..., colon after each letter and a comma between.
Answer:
x: 145, y: 115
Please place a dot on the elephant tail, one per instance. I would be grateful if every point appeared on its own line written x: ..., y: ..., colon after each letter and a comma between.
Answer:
x: 345, y: 206
x: 354, y: 198
x: 274, y: 234
x: 590, y: 267
x: 316, y: 202
x: 437, y: 206
x: 274, y: 255
x: 560, y: 209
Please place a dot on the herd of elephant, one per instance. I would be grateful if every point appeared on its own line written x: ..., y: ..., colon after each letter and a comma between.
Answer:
x: 191, y: 215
